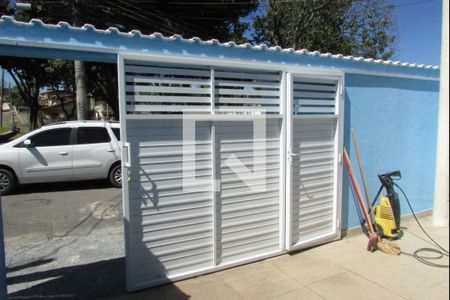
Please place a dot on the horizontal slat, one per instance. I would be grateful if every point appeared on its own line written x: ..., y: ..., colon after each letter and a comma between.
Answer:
x: 168, y: 108
x: 169, y: 99
x: 314, y: 87
x: 330, y: 95
x: 315, y: 109
x: 247, y: 92
x: 314, y: 81
x: 168, y: 90
x: 249, y: 76
x: 312, y: 102
x: 166, y: 80
x: 167, y: 71
x: 252, y: 109
x: 240, y: 100
x: 248, y: 84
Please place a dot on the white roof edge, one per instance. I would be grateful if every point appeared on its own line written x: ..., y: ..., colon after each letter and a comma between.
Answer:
x: 230, y: 44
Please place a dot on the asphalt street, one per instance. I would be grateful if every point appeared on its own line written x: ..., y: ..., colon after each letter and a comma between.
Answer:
x: 64, y: 240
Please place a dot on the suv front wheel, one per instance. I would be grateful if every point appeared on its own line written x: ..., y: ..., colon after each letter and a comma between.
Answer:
x: 7, y: 181
x: 115, y: 176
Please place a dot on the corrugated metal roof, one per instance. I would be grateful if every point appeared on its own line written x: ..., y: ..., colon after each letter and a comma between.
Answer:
x: 230, y: 44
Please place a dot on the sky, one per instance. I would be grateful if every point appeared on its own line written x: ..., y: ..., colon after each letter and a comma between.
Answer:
x: 419, y: 31
x: 418, y: 27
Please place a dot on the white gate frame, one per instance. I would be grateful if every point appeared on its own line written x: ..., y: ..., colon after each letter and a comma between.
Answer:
x: 286, y: 72
x: 338, y: 150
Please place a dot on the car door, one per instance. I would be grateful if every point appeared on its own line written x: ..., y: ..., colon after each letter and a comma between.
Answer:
x: 93, y: 153
x: 48, y: 157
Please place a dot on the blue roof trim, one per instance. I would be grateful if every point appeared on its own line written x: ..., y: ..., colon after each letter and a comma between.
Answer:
x: 103, y: 45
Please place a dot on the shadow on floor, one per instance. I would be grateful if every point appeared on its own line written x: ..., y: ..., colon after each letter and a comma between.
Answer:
x: 99, y: 280
x: 96, y: 280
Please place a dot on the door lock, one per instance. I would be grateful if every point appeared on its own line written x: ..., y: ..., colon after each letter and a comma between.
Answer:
x: 292, y: 155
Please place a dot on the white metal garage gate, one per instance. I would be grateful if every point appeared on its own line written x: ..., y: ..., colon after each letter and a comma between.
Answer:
x: 226, y: 163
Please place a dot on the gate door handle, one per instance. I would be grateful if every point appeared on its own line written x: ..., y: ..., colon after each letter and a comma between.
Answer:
x: 292, y: 154
x: 126, y: 153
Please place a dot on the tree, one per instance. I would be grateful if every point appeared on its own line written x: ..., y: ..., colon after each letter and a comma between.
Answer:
x: 102, y: 84
x: 362, y: 28
x: 206, y: 19
x: 61, y: 78
x: 29, y: 76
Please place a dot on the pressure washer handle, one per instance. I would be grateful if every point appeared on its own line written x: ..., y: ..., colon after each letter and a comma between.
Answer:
x: 395, y: 175
x: 387, y: 179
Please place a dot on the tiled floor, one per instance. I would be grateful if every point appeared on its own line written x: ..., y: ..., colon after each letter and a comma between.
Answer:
x: 338, y: 270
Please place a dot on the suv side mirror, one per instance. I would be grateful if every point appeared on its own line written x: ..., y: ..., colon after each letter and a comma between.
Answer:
x: 27, y: 143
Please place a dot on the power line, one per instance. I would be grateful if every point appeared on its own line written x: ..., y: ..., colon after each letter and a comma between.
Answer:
x: 414, y: 3
x: 193, y: 28
x: 206, y: 3
x: 143, y: 17
x: 153, y: 15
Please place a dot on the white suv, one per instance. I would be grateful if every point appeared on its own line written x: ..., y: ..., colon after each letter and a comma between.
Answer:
x: 66, y: 151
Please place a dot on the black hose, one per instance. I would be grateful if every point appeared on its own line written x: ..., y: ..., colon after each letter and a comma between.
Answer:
x: 440, y: 253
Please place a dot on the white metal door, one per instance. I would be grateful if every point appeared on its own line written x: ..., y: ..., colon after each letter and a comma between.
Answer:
x: 314, y: 107
x: 211, y: 200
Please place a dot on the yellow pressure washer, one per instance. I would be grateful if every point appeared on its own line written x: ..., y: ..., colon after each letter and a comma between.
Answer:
x: 387, y: 213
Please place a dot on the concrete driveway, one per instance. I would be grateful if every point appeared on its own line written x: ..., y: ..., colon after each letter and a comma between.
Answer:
x: 59, y: 235
x: 66, y: 242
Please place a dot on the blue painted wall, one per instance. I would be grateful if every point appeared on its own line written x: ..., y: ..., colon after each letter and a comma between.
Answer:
x: 395, y: 120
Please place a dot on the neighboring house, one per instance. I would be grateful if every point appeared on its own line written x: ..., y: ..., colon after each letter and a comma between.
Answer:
x: 101, y: 110
x: 61, y: 106
x: 57, y: 106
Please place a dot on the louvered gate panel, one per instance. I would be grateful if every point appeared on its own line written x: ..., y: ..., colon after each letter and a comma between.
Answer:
x: 170, y: 90
x: 314, y: 97
x: 176, y: 228
x: 313, y: 179
x: 249, y: 218
x: 246, y: 92
x: 171, y: 229
x: 313, y: 162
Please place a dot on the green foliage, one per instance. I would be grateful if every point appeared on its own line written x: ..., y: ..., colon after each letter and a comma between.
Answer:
x: 31, y: 76
x: 102, y: 84
x: 13, y: 97
x: 203, y: 18
x: 362, y: 28
x: 207, y: 19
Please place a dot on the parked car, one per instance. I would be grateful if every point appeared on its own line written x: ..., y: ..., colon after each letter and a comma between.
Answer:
x: 65, y: 151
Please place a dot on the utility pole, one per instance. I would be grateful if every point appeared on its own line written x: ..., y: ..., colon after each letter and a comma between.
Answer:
x: 441, y: 189
x: 80, y: 74
x: 80, y: 82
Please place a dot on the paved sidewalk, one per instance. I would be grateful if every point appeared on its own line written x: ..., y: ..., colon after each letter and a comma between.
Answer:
x: 338, y: 270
